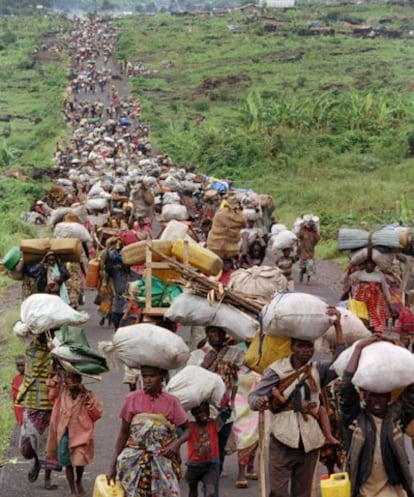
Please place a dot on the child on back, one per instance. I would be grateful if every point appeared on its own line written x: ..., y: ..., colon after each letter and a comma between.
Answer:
x: 70, y: 439
x: 203, y: 460
x: 16, y: 383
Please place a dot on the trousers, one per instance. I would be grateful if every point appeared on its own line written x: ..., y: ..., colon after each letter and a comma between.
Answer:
x: 292, y: 466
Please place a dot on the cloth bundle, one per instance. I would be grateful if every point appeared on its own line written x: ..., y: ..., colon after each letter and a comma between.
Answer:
x: 258, y: 281
x: 296, y: 315
x: 383, y: 367
x: 194, y: 385
x: 146, y: 345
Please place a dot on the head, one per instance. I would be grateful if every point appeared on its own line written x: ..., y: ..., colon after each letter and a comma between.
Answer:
x: 201, y: 413
x: 256, y: 250
x: 370, y: 266
x: 227, y: 264
x: 20, y: 363
x: 377, y: 403
x: 302, y: 350
x: 152, y: 378
x: 287, y: 251
x: 405, y: 339
x: 72, y: 380
x: 216, y: 336
x: 50, y: 259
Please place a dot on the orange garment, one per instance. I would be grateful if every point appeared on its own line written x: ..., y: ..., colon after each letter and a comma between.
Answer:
x: 78, y: 417
x: 18, y: 410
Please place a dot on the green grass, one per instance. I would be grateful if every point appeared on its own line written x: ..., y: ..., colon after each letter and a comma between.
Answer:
x: 316, y: 121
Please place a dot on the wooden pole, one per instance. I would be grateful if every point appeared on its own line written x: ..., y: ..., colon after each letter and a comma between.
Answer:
x: 262, y: 453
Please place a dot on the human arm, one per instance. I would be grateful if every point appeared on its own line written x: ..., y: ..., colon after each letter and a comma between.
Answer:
x: 119, y: 445
x: 259, y: 398
x: 172, y: 448
x: 94, y: 405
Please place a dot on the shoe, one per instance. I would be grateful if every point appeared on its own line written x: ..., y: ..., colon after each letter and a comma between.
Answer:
x: 241, y: 484
x: 252, y: 476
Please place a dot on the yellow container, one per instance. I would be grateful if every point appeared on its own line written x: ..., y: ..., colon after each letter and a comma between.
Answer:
x: 201, y: 258
x: 335, y: 485
x: 273, y: 349
x: 102, y: 489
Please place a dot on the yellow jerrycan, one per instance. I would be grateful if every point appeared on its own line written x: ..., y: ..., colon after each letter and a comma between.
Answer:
x: 102, y: 489
x: 335, y: 485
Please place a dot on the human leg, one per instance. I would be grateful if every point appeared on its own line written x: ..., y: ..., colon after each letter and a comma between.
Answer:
x: 70, y: 476
x: 79, y: 485
x: 303, y: 472
x: 192, y: 490
x: 223, y: 436
x: 281, y: 461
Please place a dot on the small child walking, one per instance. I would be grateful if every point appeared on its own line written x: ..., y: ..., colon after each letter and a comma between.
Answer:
x: 203, y: 459
x: 71, y: 430
x: 16, y: 383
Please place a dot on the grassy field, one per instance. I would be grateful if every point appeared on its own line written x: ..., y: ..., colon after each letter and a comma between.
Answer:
x: 322, y: 122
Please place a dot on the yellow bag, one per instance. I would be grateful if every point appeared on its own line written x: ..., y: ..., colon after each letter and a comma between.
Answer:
x: 359, y: 308
x: 273, y: 349
x: 102, y: 489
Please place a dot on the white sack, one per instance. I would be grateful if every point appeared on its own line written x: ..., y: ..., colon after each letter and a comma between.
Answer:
x: 147, y: 345
x: 72, y: 230
x: 194, y: 385
x: 174, y: 211
x: 296, y: 315
x: 41, y: 312
x: 174, y: 231
x: 283, y: 240
x: 258, y: 281
x: 96, y: 204
x: 352, y: 327
x: 192, y: 310
x: 382, y: 367
x: 277, y: 228
x: 64, y: 352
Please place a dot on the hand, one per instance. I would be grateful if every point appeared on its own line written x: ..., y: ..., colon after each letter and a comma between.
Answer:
x: 333, y: 311
x: 278, y: 396
x: 111, y: 474
x: 171, y: 449
x: 262, y: 403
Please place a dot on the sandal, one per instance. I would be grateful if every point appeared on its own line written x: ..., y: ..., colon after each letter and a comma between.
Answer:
x: 252, y: 476
x: 50, y: 486
x: 241, y: 484
x: 33, y: 474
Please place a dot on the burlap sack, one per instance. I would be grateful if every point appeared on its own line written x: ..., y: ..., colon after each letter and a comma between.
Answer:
x: 258, y: 281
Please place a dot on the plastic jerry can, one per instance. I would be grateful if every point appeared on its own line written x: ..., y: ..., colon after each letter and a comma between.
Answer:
x: 102, y: 489
x: 92, y: 274
x: 335, y: 485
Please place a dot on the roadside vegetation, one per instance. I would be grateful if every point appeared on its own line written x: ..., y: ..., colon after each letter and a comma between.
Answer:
x: 312, y: 105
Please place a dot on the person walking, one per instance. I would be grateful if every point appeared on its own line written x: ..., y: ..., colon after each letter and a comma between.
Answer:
x: 290, y: 388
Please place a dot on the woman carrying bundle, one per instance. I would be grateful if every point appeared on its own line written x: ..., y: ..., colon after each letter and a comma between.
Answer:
x: 146, y: 451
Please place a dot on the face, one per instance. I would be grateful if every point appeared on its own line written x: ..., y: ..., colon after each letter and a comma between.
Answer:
x: 202, y: 412
x: 152, y: 380
x: 226, y: 265
x: 303, y: 350
x: 72, y: 380
x: 286, y: 252
x: 215, y: 336
x: 20, y: 366
x: 50, y: 261
x: 377, y: 403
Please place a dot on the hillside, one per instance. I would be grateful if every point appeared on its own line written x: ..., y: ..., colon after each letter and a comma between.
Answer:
x: 313, y: 105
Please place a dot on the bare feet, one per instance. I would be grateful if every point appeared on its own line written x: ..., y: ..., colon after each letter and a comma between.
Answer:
x: 331, y: 440
x: 81, y: 489
x: 50, y: 486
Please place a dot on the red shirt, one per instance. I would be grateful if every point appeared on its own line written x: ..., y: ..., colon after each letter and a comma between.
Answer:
x: 202, y: 445
x: 140, y: 402
x: 405, y: 321
x: 18, y: 410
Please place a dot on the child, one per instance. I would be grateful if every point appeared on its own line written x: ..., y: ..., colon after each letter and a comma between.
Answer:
x: 284, y: 261
x: 16, y: 383
x: 203, y: 460
x: 70, y: 438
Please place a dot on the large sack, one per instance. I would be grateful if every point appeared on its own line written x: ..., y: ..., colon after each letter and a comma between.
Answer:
x: 33, y: 249
x: 194, y: 385
x: 67, y: 249
x: 383, y: 367
x: 174, y: 211
x: 147, y: 345
x: 72, y: 230
x: 96, y: 204
x: 175, y: 230
x: 352, y: 327
x: 296, y: 315
x: 189, y: 309
x: 283, y: 240
x: 277, y: 228
x: 383, y: 261
x: 224, y: 236
x: 41, y: 312
x: 258, y: 281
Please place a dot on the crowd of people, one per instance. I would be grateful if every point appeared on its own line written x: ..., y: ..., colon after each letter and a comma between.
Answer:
x: 112, y: 183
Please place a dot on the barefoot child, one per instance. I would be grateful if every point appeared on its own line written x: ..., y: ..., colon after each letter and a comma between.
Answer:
x: 70, y: 439
x: 16, y: 383
x: 203, y: 459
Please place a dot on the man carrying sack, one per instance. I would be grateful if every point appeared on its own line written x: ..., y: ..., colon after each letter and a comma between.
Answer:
x: 290, y: 388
